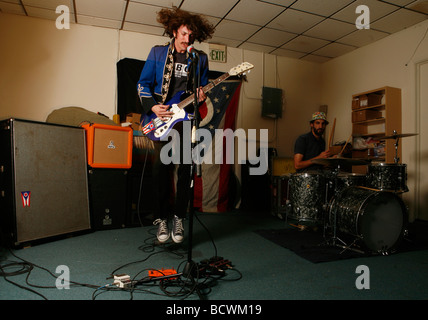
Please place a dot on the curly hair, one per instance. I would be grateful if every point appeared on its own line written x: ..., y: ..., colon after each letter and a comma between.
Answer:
x: 175, y: 18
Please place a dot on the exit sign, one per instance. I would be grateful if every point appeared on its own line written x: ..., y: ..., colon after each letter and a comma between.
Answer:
x: 217, y: 53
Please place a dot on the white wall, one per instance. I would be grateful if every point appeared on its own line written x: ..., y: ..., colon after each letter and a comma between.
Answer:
x: 388, y: 62
x: 43, y: 68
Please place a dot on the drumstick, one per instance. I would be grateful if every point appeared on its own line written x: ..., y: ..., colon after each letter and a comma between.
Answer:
x: 331, y: 134
x: 345, y: 145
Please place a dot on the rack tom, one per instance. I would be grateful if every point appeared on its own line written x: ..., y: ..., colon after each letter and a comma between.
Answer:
x: 345, y: 180
x: 390, y: 177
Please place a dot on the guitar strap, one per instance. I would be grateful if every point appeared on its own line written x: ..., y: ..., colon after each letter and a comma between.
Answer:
x: 167, y: 75
x: 167, y: 72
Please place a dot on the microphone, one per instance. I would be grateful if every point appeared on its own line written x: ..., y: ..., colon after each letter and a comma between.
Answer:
x: 192, y: 50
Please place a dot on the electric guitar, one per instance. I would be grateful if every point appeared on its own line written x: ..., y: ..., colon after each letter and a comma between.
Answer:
x: 155, y: 128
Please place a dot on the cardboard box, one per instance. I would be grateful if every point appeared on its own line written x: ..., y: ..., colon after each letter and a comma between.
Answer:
x: 364, y: 101
x: 374, y: 99
x: 363, y: 115
x: 358, y: 129
x: 134, y: 119
x: 109, y: 146
x: 370, y: 100
x: 355, y: 103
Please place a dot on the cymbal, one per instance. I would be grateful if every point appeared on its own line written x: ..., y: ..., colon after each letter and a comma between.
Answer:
x: 340, y: 161
x: 401, y: 135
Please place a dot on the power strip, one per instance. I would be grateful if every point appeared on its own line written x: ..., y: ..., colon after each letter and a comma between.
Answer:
x: 122, y: 281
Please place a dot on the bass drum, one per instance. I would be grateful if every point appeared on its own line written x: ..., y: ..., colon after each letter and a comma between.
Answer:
x: 378, y: 218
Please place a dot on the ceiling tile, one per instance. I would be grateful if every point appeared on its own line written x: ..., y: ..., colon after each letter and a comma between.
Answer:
x: 305, y: 44
x: 325, y: 7
x: 254, y: 12
x: 288, y: 53
x: 41, y: 13
x: 295, y: 21
x: 142, y: 13
x: 420, y: 6
x: 99, y: 22
x: 256, y: 47
x: 48, y: 4
x: 235, y: 30
x: 225, y: 41
x: 213, y: 20
x: 282, y: 3
x: 398, y: 21
x: 217, y: 8
x: 362, y: 37
x: 400, y: 3
x: 377, y: 9
x: 160, y: 3
x: 271, y: 37
x: 107, y: 9
x: 11, y: 8
x: 315, y: 58
x: 334, y: 50
x: 330, y: 30
x: 136, y: 27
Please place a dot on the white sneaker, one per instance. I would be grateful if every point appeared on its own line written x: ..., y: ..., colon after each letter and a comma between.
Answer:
x: 163, y: 233
x: 177, y: 233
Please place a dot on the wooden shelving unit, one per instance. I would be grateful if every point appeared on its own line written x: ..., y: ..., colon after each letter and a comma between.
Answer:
x: 376, y: 114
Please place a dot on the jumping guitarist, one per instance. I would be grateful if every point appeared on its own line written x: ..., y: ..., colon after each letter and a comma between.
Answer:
x: 166, y: 73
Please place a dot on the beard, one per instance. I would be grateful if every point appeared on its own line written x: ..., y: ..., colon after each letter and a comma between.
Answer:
x: 319, y: 132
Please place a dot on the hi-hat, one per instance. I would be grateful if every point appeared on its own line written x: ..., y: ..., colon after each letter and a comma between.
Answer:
x: 401, y: 135
x: 340, y: 161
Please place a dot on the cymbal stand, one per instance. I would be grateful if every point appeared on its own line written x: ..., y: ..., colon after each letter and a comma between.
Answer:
x: 332, y: 240
x: 335, y: 237
x: 396, y: 158
x: 335, y: 173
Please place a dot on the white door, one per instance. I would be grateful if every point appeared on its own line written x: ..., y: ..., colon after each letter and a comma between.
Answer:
x: 422, y: 98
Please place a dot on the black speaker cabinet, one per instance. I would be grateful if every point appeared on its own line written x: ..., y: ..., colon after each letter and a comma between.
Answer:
x: 108, y: 197
x: 43, y: 181
x: 271, y: 103
x: 255, y: 191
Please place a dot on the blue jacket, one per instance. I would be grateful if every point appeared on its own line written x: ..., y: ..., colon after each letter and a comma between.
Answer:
x: 158, y: 69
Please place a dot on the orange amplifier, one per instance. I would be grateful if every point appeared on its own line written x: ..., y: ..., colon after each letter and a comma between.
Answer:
x: 109, y: 146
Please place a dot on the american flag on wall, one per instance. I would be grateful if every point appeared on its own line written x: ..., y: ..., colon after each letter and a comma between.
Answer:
x: 218, y: 112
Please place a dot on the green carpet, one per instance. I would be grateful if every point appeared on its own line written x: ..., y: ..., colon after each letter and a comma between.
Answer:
x: 261, y: 270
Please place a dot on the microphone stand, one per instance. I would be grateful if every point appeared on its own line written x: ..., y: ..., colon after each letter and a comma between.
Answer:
x: 191, y: 268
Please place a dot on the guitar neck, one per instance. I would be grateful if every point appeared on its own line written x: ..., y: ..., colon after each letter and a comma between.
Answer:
x: 205, y: 89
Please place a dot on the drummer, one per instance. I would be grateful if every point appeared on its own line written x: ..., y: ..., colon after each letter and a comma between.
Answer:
x: 311, y: 145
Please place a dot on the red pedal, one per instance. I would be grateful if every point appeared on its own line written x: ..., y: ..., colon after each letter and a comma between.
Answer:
x: 162, y: 273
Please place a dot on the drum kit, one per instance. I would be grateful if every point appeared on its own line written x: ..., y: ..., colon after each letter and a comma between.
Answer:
x: 366, y: 208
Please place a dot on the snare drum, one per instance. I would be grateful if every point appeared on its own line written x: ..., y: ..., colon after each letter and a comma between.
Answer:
x: 388, y: 177
x: 307, y: 195
x: 377, y: 218
x: 345, y: 180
